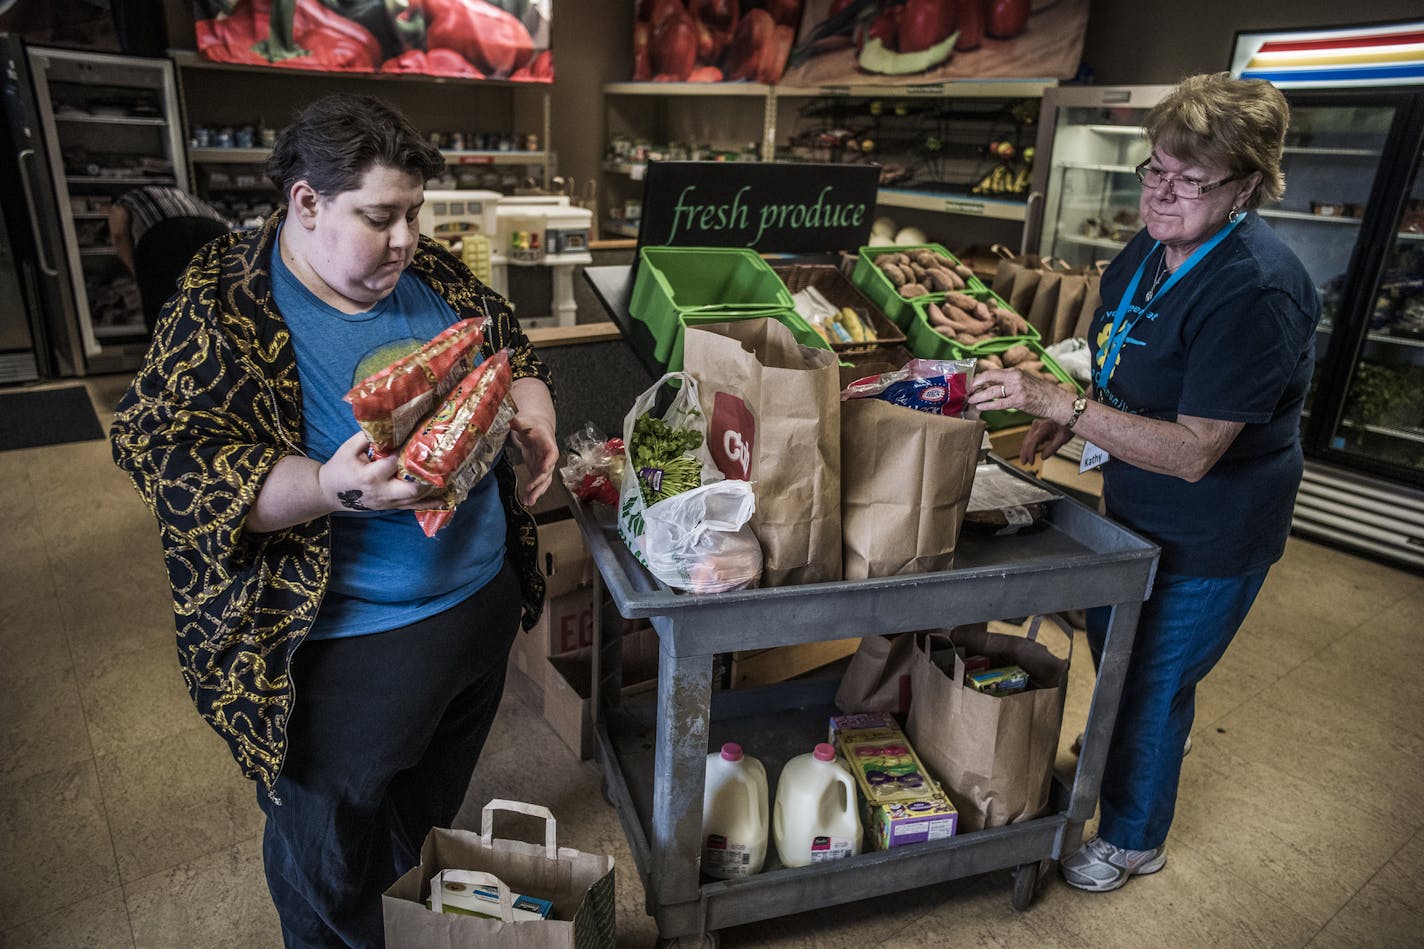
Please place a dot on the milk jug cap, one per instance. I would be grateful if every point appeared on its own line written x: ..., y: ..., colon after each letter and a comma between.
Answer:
x: 732, y: 751
x: 824, y: 752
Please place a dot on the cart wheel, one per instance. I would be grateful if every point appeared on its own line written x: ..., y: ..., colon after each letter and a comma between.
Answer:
x: 1026, y: 880
x: 704, y: 941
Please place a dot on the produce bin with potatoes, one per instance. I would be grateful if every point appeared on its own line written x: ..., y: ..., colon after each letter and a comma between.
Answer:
x: 851, y: 323
x: 893, y: 276
x: 1027, y: 356
x: 972, y: 321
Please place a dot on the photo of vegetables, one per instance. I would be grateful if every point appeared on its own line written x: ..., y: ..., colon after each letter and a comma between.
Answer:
x: 468, y: 39
x: 713, y: 40
x: 889, y: 42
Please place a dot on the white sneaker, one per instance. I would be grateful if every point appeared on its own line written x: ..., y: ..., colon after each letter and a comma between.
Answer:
x: 1099, y: 867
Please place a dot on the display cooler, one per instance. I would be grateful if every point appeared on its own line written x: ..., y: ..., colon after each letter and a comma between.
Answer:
x: 85, y: 128
x: 1354, y: 214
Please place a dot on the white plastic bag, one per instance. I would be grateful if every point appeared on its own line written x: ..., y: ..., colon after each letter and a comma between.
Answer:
x: 699, y: 540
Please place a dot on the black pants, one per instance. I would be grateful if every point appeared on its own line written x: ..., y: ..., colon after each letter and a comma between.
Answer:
x: 383, y: 740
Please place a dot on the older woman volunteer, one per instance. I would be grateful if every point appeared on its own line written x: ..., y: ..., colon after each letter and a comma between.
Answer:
x: 1203, y: 355
x: 353, y: 665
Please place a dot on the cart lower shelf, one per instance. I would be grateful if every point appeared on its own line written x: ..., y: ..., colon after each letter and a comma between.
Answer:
x: 775, y: 724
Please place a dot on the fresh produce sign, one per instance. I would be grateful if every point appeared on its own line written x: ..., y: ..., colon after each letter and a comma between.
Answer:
x: 469, y: 39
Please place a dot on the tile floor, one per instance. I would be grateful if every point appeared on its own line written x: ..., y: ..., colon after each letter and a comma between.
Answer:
x: 124, y: 824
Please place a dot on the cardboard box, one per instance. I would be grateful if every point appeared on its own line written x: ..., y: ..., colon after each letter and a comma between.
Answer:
x: 563, y: 555
x: 568, y: 705
x: 897, y: 823
x: 764, y: 666
x: 565, y: 625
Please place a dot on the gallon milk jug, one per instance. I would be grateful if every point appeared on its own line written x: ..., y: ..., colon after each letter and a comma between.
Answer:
x: 734, y: 806
x: 816, y: 817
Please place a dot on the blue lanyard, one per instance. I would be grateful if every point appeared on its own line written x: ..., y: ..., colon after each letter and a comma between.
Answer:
x: 1121, y: 326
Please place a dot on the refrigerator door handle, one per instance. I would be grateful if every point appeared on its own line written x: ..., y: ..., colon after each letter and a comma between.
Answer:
x: 43, y: 253
x: 1033, y: 218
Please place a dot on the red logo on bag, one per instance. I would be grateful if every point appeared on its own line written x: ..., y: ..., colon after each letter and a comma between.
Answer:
x: 732, y: 436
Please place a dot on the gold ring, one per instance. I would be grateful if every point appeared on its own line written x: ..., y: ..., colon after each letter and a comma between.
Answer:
x: 1003, y: 391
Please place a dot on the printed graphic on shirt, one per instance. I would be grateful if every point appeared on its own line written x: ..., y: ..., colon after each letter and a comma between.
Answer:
x: 1106, y: 348
x: 382, y: 356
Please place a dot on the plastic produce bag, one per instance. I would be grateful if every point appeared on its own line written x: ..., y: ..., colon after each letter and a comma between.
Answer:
x: 698, y: 540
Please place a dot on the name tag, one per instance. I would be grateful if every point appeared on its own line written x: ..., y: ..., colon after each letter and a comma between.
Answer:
x: 1093, y: 457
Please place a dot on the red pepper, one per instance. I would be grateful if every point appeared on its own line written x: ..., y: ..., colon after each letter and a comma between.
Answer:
x: 494, y: 41
x: 447, y: 62
x: 323, y: 39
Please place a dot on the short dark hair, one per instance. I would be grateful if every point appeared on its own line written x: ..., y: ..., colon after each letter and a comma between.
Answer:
x: 335, y: 140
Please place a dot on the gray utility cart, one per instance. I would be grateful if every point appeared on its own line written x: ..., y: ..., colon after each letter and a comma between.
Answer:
x: 653, y: 751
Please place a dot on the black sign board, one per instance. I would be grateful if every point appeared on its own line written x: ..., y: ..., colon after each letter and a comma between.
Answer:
x: 770, y: 207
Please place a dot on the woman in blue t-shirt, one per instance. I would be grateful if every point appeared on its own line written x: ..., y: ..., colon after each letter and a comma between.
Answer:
x: 1203, y: 351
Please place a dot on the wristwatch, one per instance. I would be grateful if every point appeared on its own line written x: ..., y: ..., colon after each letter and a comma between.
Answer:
x: 1080, y: 405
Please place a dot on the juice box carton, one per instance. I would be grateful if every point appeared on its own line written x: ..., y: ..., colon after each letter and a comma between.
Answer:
x: 472, y: 899
x: 897, y: 823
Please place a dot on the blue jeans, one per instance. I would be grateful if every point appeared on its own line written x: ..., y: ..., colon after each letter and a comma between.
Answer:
x: 384, y: 738
x: 1184, y: 629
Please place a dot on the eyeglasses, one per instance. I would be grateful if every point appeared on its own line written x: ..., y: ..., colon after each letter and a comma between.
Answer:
x: 1187, y: 188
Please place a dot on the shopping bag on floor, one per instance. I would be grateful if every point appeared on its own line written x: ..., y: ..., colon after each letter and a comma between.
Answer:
x: 905, y: 482
x: 773, y: 418
x: 878, y: 677
x: 993, y: 753
x: 579, y: 885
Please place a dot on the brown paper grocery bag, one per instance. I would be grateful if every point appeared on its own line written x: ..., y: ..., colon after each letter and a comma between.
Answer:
x: 1092, y: 299
x: 993, y: 754
x: 580, y: 885
x: 878, y: 677
x: 773, y: 418
x: 905, y: 482
x: 1068, y: 306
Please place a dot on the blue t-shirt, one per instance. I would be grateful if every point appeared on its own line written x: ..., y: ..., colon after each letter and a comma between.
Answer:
x: 1233, y: 340
x: 385, y: 573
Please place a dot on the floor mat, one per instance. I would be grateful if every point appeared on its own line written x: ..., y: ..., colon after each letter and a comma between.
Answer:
x: 47, y: 417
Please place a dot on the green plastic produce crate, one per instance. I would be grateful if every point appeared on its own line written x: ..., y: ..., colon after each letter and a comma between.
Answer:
x: 874, y: 284
x: 992, y: 344
x: 674, y: 283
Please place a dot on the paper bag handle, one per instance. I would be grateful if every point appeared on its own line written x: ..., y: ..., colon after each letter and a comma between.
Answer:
x: 1037, y: 622
x: 1002, y: 251
x: 551, y: 847
x: 476, y: 877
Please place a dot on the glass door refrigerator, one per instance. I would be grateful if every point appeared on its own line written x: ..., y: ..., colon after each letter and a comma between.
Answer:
x: 87, y: 127
x: 1352, y: 195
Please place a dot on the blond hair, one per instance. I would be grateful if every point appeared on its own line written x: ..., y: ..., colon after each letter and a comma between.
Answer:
x: 1217, y: 120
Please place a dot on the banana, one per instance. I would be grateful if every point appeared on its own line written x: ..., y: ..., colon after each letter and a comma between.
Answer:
x: 857, y: 329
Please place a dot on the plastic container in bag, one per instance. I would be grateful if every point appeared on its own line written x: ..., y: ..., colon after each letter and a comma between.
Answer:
x: 734, y: 811
x: 816, y: 817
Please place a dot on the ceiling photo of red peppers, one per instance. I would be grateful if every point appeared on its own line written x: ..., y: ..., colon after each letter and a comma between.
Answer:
x: 713, y: 40
x: 467, y: 39
x: 913, y: 42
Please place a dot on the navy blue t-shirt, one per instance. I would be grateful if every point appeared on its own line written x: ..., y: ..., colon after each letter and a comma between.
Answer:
x: 1233, y: 340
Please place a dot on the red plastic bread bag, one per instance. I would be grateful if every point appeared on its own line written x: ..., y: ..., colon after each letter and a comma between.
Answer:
x: 391, y: 403
x: 457, y: 444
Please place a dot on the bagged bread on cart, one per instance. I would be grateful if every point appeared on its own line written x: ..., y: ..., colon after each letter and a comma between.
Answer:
x: 475, y: 890
x: 679, y: 516
x: 773, y: 410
